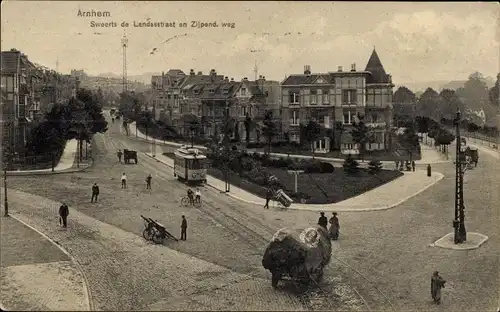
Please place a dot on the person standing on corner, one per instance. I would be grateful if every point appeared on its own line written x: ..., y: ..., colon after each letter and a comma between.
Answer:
x: 334, y: 227
x: 323, y: 221
x: 95, y: 193
x: 148, y: 182
x: 184, y: 228
x: 63, y: 215
x: 413, y: 165
x: 437, y: 282
x: 124, y: 181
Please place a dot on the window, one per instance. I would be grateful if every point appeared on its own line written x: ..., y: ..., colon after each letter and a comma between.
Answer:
x: 212, y: 91
x: 320, y: 144
x: 243, y: 111
x: 293, y: 97
x: 295, y: 137
x: 10, y: 84
x: 374, y: 118
x: 313, y: 97
x: 349, y: 117
x: 4, y: 84
x: 295, y: 118
x: 325, y: 96
x: 348, y: 146
x: 243, y: 91
x: 326, y: 121
x: 349, y: 97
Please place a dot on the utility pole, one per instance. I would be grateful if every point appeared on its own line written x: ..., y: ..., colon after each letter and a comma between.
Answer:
x: 124, y: 76
x: 226, y: 146
x: 459, y: 221
x: 255, y: 70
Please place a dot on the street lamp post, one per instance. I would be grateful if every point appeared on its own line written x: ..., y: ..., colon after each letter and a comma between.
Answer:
x: 459, y: 221
x: 226, y: 147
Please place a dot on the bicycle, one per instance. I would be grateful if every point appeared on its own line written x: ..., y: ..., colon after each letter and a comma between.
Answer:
x: 185, y: 201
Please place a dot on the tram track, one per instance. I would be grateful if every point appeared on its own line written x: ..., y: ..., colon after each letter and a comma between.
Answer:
x: 319, y: 297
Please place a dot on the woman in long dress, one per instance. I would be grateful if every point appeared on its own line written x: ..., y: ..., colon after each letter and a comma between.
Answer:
x: 334, y: 227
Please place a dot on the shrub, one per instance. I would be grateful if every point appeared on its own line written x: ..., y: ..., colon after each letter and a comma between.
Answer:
x: 247, y: 163
x: 374, y: 166
x: 319, y: 167
x: 351, y: 166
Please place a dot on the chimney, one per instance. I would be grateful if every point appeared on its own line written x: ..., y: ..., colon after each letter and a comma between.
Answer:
x: 200, y: 73
x: 339, y: 69
x: 353, y: 67
x: 232, y: 79
x: 191, y: 72
x: 226, y: 79
x: 213, y: 73
x: 307, y: 69
x: 244, y: 79
x: 162, y: 73
x: 389, y: 77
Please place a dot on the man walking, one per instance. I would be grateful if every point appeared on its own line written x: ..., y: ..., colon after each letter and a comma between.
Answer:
x: 413, y: 165
x: 148, y: 182
x: 95, y: 193
x: 269, y: 196
x: 124, y: 181
x: 437, y: 282
x: 323, y: 221
x: 184, y: 228
x: 119, y: 154
x: 63, y: 215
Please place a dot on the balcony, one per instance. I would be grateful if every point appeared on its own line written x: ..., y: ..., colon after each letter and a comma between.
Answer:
x: 349, y: 104
x: 294, y: 122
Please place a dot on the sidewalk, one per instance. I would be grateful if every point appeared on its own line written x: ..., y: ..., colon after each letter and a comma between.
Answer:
x: 37, y: 275
x: 133, y: 130
x: 66, y: 162
x: 429, y: 155
x: 383, y: 197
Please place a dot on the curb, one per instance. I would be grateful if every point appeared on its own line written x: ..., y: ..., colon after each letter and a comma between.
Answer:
x: 440, y: 177
x: 29, y: 173
x: 87, y: 291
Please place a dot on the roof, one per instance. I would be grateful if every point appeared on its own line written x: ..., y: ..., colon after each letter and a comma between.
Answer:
x: 377, y: 70
x: 175, y: 72
x: 300, y: 79
x: 197, y: 79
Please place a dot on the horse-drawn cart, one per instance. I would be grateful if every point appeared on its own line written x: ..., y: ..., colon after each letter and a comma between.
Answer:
x: 155, y: 231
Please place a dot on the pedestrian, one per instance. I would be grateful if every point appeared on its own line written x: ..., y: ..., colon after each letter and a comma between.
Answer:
x: 124, y: 181
x: 334, y: 227
x: 113, y: 119
x: 184, y: 226
x: 197, y: 195
x: 397, y: 163
x: 148, y: 182
x: 95, y: 193
x: 63, y: 215
x: 437, y: 282
x: 269, y: 196
x: 119, y: 154
x: 413, y: 165
x: 323, y: 221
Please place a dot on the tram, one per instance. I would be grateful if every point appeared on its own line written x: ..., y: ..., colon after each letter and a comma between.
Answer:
x: 190, y: 165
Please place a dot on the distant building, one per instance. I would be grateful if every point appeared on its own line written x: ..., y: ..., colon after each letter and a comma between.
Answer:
x: 335, y: 100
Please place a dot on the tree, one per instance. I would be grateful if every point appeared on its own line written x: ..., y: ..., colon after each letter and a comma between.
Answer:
x: 403, y: 95
x: 404, y: 104
x: 350, y: 165
x: 374, y: 166
x: 410, y: 141
x: 361, y: 135
x: 444, y: 138
x: 494, y: 93
x: 450, y: 102
x: 337, y: 133
x: 427, y: 104
x: 269, y: 130
x: 312, y: 133
x: 248, y: 127
x: 92, y: 104
x: 193, y: 125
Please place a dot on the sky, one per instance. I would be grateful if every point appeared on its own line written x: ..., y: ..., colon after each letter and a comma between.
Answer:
x: 416, y: 42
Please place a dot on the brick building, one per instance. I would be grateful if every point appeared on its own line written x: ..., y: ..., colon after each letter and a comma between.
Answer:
x: 28, y: 91
x: 337, y: 98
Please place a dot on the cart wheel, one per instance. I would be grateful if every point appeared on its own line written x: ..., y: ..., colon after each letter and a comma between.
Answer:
x: 148, y: 235
x: 158, y: 240
x: 197, y: 204
x: 185, y: 201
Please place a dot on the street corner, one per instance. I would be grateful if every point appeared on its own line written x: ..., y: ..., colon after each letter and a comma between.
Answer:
x: 474, y: 241
x: 53, y: 286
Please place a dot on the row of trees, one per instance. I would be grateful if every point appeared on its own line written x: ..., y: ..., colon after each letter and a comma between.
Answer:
x: 79, y: 119
x: 474, y: 96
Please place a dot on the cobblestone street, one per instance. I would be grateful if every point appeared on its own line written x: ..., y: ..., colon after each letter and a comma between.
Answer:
x: 380, y: 254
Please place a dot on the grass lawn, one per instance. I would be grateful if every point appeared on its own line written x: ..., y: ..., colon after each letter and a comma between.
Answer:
x: 318, y: 188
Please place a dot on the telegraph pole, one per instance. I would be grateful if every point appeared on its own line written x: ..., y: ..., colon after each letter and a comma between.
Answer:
x: 124, y: 75
x: 459, y: 221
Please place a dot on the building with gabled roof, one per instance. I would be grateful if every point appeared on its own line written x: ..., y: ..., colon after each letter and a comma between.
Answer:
x: 335, y: 100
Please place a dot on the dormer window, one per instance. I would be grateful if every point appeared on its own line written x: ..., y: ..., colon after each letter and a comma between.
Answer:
x: 243, y: 91
x: 212, y: 91
x: 225, y: 91
x: 196, y: 91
